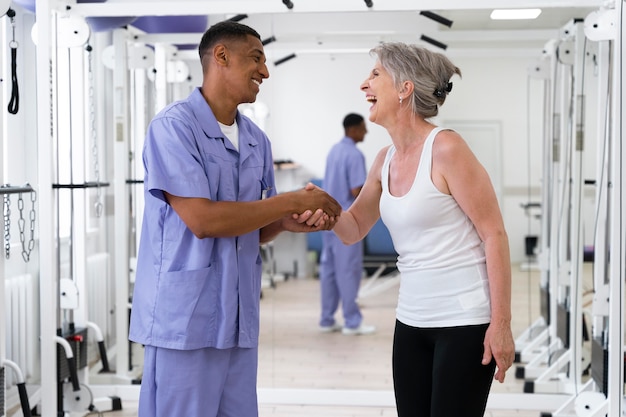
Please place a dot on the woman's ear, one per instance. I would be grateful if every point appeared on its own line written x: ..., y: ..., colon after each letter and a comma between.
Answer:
x: 407, y: 88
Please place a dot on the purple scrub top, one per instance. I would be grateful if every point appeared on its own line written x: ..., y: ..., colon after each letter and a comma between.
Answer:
x: 194, y: 293
x: 345, y: 170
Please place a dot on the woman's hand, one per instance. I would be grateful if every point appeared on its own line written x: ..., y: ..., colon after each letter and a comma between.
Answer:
x: 500, y: 346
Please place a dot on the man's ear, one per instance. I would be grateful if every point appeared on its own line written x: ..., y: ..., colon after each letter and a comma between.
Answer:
x: 220, y: 54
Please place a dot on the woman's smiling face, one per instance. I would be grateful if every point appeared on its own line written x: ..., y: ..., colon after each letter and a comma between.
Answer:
x: 380, y: 90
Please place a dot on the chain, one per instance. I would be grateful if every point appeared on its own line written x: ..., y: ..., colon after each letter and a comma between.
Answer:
x: 94, y: 137
x: 26, y: 250
x: 7, y: 226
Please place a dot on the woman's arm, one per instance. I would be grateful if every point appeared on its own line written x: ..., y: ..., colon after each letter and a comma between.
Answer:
x: 356, y: 222
x: 456, y: 171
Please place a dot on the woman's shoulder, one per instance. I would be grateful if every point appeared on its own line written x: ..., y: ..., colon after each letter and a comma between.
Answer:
x: 447, y: 135
x: 383, y: 153
x: 449, y: 140
x: 449, y: 145
x: 379, y: 161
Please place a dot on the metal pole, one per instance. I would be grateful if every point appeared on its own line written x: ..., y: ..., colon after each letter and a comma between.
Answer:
x: 120, y: 152
x: 46, y: 132
x: 618, y: 231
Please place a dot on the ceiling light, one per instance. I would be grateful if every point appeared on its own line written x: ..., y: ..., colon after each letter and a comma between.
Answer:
x: 268, y: 40
x: 437, y: 18
x: 288, y: 3
x: 238, y: 18
x: 284, y: 59
x: 433, y: 42
x: 369, y: 3
x: 515, y: 14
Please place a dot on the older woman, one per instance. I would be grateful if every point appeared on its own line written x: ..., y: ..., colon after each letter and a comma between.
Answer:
x: 453, y: 314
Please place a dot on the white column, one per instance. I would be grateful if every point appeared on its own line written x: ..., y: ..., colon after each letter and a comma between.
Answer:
x: 577, y: 248
x: 46, y: 131
x: 3, y: 138
x: 618, y: 232
x: 120, y: 191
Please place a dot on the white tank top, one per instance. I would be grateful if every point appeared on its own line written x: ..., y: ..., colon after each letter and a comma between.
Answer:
x: 443, y: 274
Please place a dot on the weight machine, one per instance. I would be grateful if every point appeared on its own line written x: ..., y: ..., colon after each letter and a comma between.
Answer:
x: 534, y: 343
x: 602, y: 394
x: 555, y: 354
x: 62, y: 41
x: 14, y: 360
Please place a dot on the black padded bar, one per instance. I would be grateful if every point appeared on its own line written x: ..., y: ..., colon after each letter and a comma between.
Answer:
x: 83, y: 185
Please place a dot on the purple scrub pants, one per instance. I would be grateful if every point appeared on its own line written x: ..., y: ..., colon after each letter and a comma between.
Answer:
x: 205, y: 382
x: 341, y: 270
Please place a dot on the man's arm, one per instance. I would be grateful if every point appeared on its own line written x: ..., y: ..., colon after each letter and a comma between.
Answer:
x: 207, y: 218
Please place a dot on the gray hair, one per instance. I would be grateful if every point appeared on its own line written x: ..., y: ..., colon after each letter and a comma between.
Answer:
x: 429, y: 71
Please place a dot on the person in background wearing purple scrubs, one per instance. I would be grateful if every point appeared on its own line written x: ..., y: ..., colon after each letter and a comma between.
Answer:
x: 341, y: 266
x: 210, y: 201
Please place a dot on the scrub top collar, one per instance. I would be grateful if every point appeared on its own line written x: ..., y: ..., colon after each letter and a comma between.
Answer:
x: 211, y: 128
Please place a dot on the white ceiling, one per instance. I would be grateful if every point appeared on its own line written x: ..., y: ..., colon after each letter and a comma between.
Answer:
x: 335, y: 26
x: 353, y: 31
x: 550, y: 18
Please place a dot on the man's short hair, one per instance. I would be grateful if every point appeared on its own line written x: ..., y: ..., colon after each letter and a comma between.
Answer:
x: 352, y: 119
x: 225, y: 30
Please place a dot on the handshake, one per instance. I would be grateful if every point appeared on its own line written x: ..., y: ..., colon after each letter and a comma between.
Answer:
x: 316, y: 210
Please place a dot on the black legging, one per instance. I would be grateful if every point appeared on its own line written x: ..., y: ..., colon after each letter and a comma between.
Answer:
x: 437, y: 372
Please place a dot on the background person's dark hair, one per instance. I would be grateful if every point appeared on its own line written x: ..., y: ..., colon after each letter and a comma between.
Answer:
x: 352, y: 119
x: 225, y: 30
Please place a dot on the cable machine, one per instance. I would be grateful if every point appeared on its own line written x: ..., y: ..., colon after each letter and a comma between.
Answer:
x: 603, y: 395
x: 556, y: 359
x: 73, y: 193
x: 534, y: 344
x: 19, y: 215
x: 61, y: 41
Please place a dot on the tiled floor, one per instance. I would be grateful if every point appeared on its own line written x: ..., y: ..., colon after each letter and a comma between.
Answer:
x: 295, y: 356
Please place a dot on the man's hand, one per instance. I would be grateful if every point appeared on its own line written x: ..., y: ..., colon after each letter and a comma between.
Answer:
x: 310, y: 221
x: 312, y: 198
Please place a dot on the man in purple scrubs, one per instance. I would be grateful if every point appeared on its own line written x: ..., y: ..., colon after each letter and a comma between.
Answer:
x: 210, y: 201
x: 341, y: 266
